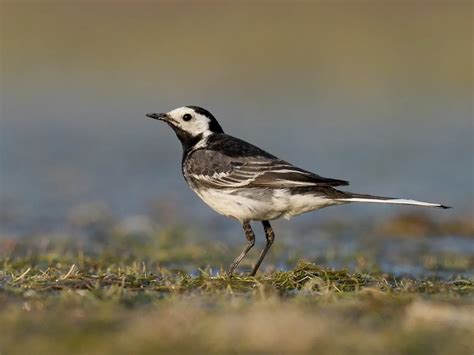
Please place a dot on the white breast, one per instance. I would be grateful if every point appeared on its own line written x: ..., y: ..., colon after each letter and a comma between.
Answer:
x: 241, y: 204
x: 260, y: 204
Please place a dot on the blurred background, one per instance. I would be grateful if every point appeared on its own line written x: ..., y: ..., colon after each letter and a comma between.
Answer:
x: 377, y: 93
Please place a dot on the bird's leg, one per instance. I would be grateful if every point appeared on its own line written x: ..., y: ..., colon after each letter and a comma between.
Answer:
x: 250, y: 243
x: 270, y: 236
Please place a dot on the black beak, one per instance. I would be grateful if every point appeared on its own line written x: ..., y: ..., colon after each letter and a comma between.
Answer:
x: 157, y: 116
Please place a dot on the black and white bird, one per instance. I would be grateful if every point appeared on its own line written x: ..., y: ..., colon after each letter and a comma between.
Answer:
x: 244, y: 182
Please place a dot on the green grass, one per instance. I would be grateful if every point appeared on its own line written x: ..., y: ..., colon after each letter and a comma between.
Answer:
x: 101, y: 308
x: 104, y: 289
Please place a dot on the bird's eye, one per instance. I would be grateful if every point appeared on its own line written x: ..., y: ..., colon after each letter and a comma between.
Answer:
x: 187, y: 117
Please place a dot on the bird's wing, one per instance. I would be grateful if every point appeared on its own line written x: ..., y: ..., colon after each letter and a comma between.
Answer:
x: 215, y: 169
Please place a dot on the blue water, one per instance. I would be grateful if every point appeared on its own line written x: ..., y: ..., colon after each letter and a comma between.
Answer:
x: 335, y: 89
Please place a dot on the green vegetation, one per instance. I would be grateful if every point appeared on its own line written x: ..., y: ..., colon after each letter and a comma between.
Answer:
x: 100, y: 309
x: 108, y: 289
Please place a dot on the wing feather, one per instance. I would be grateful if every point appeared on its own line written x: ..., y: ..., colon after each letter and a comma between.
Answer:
x: 214, y: 169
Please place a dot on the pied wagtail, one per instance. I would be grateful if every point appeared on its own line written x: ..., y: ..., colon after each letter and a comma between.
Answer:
x: 242, y: 181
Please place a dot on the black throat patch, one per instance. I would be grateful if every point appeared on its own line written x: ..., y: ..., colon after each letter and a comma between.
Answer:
x: 187, y: 140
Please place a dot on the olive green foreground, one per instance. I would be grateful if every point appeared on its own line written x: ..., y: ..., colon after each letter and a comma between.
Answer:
x: 122, y: 309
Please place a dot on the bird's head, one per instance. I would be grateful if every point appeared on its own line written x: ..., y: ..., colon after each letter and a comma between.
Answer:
x: 190, y: 123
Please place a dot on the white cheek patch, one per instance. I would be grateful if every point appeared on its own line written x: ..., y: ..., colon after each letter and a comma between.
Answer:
x: 199, y: 124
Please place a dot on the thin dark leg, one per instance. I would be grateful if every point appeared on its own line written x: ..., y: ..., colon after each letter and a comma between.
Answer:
x: 250, y: 243
x: 270, y: 239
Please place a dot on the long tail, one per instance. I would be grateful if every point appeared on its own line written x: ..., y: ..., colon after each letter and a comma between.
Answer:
x: 390, y: 200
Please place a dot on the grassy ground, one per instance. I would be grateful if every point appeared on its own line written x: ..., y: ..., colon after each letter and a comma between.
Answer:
x: 123, y: 309
x: 120, y: 293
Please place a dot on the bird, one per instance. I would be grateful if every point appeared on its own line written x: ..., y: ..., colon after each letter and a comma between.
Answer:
x: 242, y: 181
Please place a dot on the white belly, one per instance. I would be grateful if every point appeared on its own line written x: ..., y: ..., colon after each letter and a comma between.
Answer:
x: 259, y: 205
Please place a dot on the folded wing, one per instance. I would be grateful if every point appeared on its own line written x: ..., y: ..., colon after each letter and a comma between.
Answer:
x: 216, y: 170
